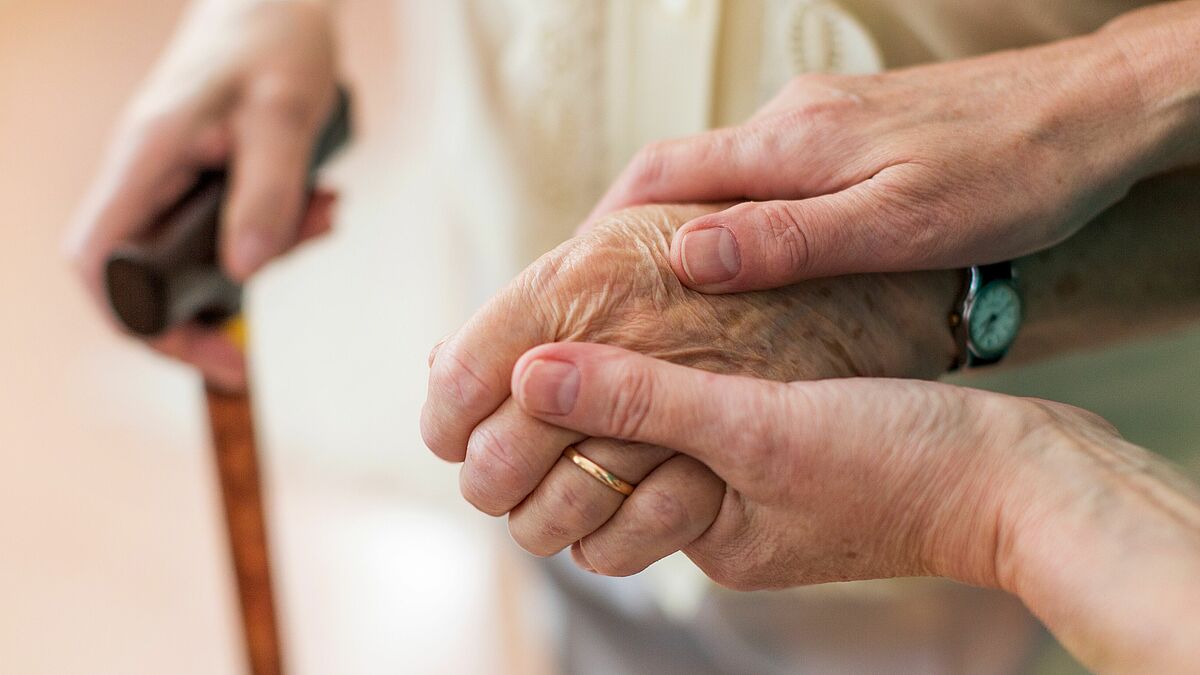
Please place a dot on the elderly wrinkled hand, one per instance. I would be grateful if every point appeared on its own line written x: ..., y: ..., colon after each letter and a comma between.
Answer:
x: 241, y: 86
x: 873, y: 478
x: 614, y: 285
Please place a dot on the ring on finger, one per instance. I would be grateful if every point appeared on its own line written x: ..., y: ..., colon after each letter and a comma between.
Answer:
x: 598, y: 472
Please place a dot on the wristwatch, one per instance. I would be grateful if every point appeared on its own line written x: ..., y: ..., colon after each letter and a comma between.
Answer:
x: 987, y: 317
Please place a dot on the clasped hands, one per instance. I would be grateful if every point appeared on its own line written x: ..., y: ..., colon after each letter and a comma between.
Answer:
x: 763, y: 484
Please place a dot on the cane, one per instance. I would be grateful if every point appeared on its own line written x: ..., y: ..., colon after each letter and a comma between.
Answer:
x: 170, y: 275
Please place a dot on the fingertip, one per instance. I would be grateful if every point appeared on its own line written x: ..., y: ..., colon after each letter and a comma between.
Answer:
x: 250, y: 249
x: 548, y: 387
x: 520, y: 367
x: 212, y: 146
x: 558, y: 361
x: 747, y: 247
x: 560, y: 351
x: 580, y: 560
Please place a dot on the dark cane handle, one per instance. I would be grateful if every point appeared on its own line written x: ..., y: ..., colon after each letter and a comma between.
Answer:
x: 171, y: 274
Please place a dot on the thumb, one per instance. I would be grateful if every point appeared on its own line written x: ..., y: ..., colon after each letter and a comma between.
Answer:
x: 761, y: 245
x: 726, y: 422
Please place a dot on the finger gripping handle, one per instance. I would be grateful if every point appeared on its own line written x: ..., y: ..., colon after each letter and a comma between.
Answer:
x: 171, y: 274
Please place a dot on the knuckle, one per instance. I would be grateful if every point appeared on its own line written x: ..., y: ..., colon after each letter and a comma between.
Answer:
x: 564, y: 515
x: 817, y: 93
x: 631, y: 402
x: 492, y: 472
x: 666, y: 513
x: 649, y: 167
x: 786, y: 236
x: 572, y: 512
x: 546, y: 277
x: 279, y: 95
x: 455, y: 377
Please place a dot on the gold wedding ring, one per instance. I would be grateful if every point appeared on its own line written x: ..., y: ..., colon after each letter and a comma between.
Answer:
x: 598, y: 472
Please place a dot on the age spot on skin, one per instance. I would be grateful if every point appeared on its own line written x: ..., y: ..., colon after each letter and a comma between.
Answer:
x: 839, y: 352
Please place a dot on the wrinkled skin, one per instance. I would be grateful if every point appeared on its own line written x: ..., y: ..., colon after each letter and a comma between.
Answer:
x: 614, y: 285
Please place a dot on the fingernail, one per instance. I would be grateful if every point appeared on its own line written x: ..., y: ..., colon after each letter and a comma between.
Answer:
x: 550, y: 387
x: 253, y: 249
x: 710, y: 255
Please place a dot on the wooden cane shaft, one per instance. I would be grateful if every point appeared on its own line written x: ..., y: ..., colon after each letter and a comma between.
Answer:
x: 233, y: 439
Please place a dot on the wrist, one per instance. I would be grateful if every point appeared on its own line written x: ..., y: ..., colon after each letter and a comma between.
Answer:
x: 1101, y: 540
x: 984, y: 489
x: 925, y: 347
x: 869, y: 325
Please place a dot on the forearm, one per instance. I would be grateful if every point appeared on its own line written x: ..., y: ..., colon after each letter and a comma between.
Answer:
x: 1158, y: 47
x: 1106, y: 552
x: 1134, y: 271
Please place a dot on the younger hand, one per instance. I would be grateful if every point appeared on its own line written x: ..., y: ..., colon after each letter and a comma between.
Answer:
x: 934, y: 167
x: 829, y: 480
x: 872, y: 478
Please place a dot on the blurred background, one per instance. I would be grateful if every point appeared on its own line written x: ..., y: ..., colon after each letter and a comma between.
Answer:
x: 112, y: 552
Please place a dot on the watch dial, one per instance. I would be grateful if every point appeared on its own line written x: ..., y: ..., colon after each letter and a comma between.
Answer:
x: 995, y: 318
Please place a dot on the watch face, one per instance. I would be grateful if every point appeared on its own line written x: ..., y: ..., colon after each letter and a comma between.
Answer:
x: 995, y: 318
